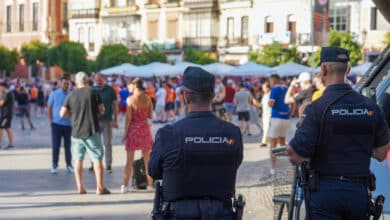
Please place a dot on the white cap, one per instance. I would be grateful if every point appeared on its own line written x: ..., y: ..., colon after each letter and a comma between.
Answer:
x: 230, y: 81
x: 304, y: 77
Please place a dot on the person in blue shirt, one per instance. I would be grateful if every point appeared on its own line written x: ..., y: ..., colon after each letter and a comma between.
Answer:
x: 123, y: 94
x: 61, y: 128
x: 339, y: 132
x: 280, y: 115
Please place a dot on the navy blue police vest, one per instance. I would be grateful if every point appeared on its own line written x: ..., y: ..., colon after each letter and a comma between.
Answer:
x: 210, y: 152
x: 348, y: 137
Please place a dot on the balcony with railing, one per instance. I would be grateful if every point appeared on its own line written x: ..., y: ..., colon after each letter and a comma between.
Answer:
x: 238, y: 41
x: 201, y: 43
x: 85, y: 13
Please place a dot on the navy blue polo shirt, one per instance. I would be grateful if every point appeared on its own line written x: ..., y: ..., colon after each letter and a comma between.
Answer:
x: 352, y: 127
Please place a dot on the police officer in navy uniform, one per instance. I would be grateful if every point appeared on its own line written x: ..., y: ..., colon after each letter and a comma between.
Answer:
x: 339, y: 132
x: 197, y: 157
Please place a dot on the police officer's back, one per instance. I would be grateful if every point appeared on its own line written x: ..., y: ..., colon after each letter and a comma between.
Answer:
x: 197, y: 158
x: 339, y: 132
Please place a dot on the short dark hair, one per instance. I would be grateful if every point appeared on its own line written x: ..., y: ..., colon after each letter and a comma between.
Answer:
x: 4, y: 84
x: 200, y: 98
x: 275, y: 76
x: 241, y: 85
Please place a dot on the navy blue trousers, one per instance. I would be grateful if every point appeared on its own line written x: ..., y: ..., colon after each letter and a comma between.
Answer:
x: 59, y: 132
x: 339, y: 200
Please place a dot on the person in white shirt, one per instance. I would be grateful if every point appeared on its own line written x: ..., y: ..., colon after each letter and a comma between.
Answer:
x: 265, y: 113
x: 160, y: 104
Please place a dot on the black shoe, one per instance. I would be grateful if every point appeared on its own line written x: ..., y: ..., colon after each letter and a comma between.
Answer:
x: 91, y: 169
x: 9, y: 147
x: 32, y: 128
x: 109, y: 169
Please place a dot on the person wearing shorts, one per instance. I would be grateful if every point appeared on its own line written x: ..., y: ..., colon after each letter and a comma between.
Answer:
x: 280, y: 115
x: 85, y: 106
x: 23, y: 108
x: 91, y: 145
x: 243, y: 100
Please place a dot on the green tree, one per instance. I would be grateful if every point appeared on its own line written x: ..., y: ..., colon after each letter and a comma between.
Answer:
x: 275, y: 54
x: 112, y: 55
x: 387, y: 39
x: 346, y: 41
x: 8, y: 59
x: 197, y: 56
x: 34, y: 51
x: 317, y: 56
x: 149, y: 55
x: 70, y: 56
x: 92, y: 66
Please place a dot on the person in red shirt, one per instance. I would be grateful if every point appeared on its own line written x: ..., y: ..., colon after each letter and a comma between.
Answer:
x: 229, y: 96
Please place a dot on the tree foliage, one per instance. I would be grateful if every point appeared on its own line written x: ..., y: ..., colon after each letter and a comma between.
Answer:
x: 275, y: 54
x: 387, y: 39
x: 197, y: 56
x: 34, y: 51
x: 346, y: 41
x: 70, y: 56
x: 149, y: 55
x: 8, y: 58
x: 112, y: 55
x: 343, y: 40
x: 92, y: 66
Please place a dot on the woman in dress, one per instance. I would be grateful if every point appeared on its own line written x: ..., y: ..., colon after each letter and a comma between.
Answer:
x: 138, y: 135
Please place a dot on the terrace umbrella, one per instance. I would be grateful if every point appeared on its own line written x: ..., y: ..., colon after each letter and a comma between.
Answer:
x: 119, y: 69
x: 249, y: 69
x: 291, y: 69
x: 218, y: 68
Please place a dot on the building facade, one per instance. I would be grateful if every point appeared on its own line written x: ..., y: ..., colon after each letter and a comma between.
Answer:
x: 85, y: 25
x: 237, y: 32
x: 201, y: 24
x: 121, y: 23
x: 360, y: 18
x: 26, y: 20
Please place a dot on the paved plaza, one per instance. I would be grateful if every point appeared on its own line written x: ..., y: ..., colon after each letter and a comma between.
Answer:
x: 29, y: 191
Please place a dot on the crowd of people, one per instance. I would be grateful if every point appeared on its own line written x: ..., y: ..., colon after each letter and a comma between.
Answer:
x: 85, y: 111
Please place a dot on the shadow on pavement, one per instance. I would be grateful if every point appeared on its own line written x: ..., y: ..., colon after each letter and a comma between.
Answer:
x: 20, y: 205
x: 100, y: 217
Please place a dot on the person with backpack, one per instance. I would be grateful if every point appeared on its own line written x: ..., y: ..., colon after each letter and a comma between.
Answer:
x: 137, y: 134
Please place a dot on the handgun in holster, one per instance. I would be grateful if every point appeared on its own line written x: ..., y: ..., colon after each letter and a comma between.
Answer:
x: 160, y: 209
x: 375, y: 206
x: 238, y: 205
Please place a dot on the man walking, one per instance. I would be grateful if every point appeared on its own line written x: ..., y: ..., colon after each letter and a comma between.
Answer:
x: 84, y: 106
x: 280, y: 115
x: 106, y: 121
x: 60, y: 127
x: 243, y: 100
x: 6, y: 107
x: 23, y: 107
